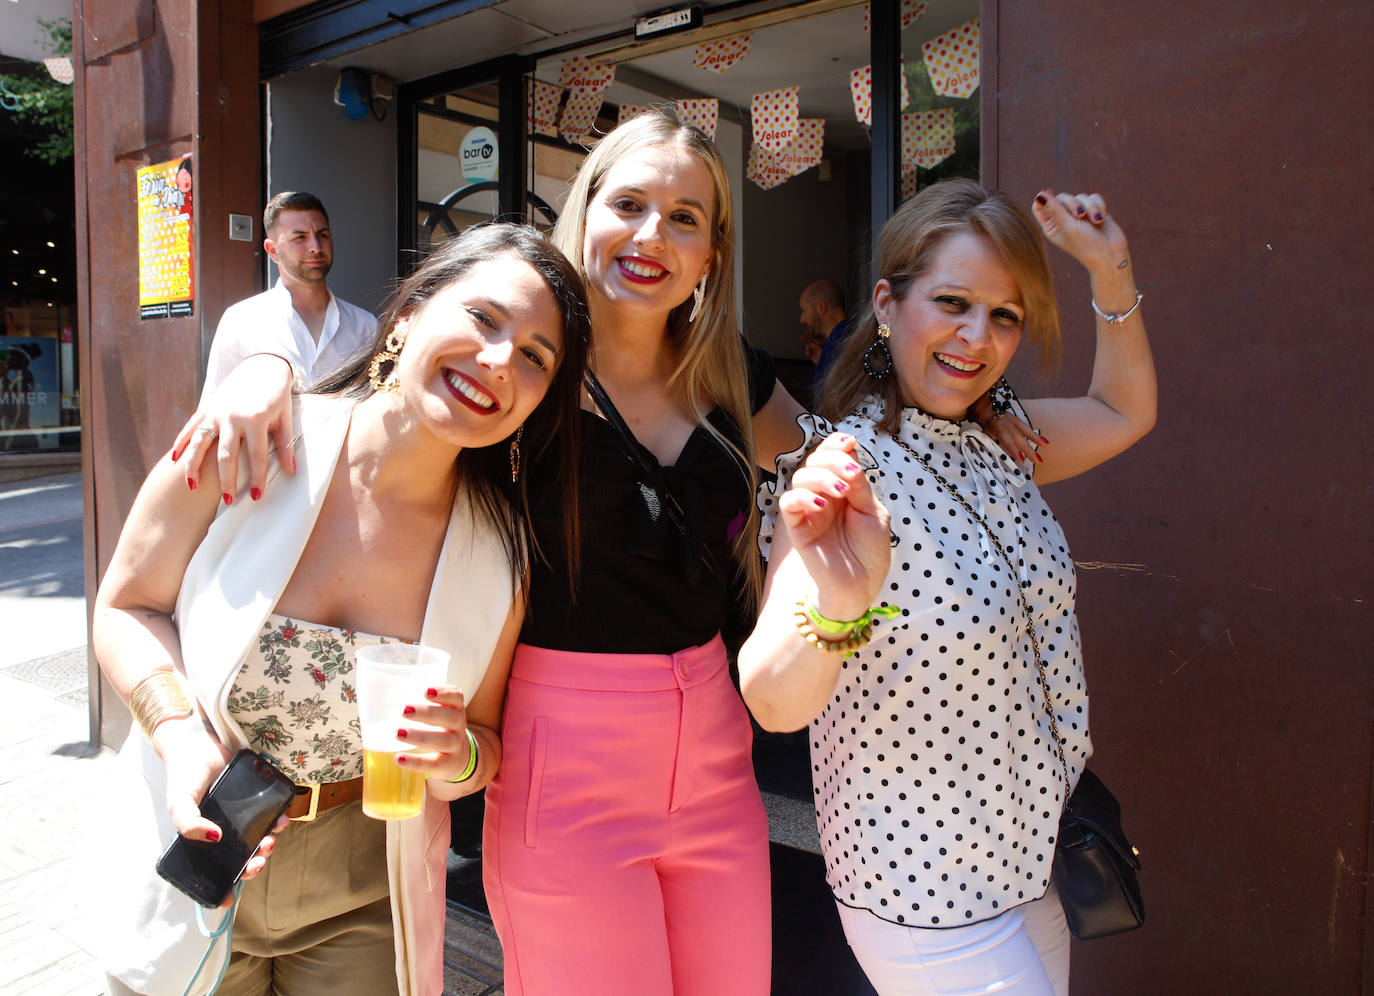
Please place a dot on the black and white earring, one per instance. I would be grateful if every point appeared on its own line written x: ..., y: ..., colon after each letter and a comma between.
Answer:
x: 698, y: 296
x: 383, y: 372
x: 879, y: 350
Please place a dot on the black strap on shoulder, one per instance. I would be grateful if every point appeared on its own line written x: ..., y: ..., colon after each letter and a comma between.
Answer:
x: 650, y: 473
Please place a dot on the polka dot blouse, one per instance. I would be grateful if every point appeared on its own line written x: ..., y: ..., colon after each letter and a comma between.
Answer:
x: 937, y: 785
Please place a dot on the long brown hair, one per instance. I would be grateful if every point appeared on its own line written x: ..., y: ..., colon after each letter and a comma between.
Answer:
x: 710, y: 352
x: 485, y: 472
x: 906, y: 247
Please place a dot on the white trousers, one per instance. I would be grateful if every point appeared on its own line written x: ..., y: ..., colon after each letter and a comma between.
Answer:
x: 1023, y: 952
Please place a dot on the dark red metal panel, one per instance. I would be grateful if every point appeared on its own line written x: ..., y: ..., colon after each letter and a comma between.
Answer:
x: 155, y: 81
x: 1225, y: 562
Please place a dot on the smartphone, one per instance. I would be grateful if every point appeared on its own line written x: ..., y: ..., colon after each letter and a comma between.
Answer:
x: 246, y: 799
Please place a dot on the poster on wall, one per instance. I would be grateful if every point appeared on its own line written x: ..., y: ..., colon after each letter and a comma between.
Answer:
x: 165, y: 272
x: 29, y: 398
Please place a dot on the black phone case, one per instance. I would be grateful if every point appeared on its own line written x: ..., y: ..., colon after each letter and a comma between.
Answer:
x: 207, y: 871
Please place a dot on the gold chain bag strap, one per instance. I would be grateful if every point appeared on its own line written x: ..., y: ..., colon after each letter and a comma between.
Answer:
x: 1094, y: 863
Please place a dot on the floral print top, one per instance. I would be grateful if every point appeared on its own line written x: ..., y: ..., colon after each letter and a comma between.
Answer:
x: 295, y: 699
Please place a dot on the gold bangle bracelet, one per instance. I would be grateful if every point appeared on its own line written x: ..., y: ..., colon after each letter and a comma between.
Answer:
x: 156, y: 699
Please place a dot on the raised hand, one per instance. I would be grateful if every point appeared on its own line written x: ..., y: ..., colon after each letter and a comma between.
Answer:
x: 1081, y: 225
x: 838, y: 528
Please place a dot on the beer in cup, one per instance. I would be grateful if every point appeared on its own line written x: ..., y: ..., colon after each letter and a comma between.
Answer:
x: 390, y: 677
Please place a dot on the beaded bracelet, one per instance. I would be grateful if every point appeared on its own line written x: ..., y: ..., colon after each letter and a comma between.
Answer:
x: 857, y: 632
x: 472, y: 761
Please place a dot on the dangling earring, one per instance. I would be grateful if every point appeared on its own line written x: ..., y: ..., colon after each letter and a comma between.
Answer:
x: 699, y: 295
x: 880, y: 344
x: 388, y: 382
x: 515, y: 455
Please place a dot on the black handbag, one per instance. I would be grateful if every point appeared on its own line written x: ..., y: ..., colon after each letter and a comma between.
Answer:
x: 1095, y: 865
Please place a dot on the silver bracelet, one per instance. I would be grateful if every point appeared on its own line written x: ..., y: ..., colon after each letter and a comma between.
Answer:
x: 1117, y: 319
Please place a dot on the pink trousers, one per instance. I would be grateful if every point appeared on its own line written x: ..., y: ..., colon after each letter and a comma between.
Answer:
x: 625, y: 849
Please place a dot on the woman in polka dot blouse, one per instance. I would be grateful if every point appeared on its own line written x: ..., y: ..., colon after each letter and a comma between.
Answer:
x: 938, y: 783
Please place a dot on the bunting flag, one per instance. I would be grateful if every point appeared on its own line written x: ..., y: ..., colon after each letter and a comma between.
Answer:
x: 763, y: 169
x: 719, y: 55
x: 910, y: 183
x: 628, y: 111
x: 952, y: 60
x: 911, y: 10
x: 774, y: 115
x: 861, y: 90
x: 703, y: 113
x: 586, y: 82
x: 768, y: 169
x: 806, y: 149
x: 927, y: 137
x: 543, y: 105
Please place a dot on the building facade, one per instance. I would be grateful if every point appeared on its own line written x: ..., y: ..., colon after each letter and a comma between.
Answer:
x: 1226, y: 635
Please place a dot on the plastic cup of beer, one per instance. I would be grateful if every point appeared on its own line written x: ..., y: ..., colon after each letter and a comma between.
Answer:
x: 390, y: 677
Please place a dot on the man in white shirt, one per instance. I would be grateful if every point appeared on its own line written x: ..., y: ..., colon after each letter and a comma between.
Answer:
x: 298, y: 318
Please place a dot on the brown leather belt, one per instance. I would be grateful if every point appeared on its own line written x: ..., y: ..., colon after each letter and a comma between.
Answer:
x: 313, y: 798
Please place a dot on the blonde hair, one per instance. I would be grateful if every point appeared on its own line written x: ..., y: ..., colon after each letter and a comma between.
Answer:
x: 906, y: 248
x: 711, y: 367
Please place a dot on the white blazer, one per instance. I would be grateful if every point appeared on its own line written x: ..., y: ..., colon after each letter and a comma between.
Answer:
x: 149, y: 936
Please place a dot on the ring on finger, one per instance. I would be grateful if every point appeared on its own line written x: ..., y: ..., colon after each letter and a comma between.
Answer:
x: 206, y: 430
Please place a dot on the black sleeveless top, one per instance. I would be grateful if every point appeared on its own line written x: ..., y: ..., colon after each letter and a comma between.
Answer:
x: 643, y: 587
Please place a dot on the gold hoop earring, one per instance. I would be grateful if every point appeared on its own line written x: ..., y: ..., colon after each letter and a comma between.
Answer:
x: 879, y: 344
x: 390, y: 355
x: 515, y: 455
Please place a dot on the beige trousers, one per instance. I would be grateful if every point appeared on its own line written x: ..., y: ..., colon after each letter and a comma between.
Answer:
x: 318, y: 919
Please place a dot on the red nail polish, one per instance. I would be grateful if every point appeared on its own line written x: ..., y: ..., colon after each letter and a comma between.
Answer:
x: 1041, y: 200
x: 174, y: 456
x: 841, y: 487
x: 400, y: 759
x: 820, y: 502
x: 1044, y: 440
x: 228, y: 498
x: 408, y: 711
x: 256, y: 493
x: 851, y: 468
x: 1020, y: 455
x: 1039, y: 458
x: 402, y: 735
x: 431, y: 692
x: 191, y: 484
x: 212, y: 835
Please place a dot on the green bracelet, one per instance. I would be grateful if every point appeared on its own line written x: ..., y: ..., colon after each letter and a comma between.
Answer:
x: 472, y: 761
x: 837, y: 628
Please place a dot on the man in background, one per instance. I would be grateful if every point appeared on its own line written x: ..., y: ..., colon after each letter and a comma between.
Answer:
x: 298, y: 319
x: 825, y: 325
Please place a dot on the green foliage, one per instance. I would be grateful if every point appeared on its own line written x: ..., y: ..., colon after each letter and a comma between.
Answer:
x: 40, y: 101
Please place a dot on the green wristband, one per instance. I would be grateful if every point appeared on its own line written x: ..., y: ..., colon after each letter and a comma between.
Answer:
x: 838, y: 628
x: 472, y: 761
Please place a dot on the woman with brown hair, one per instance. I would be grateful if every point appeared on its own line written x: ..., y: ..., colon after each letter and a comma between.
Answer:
x: 949, y: 724
x: 406, y: 522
